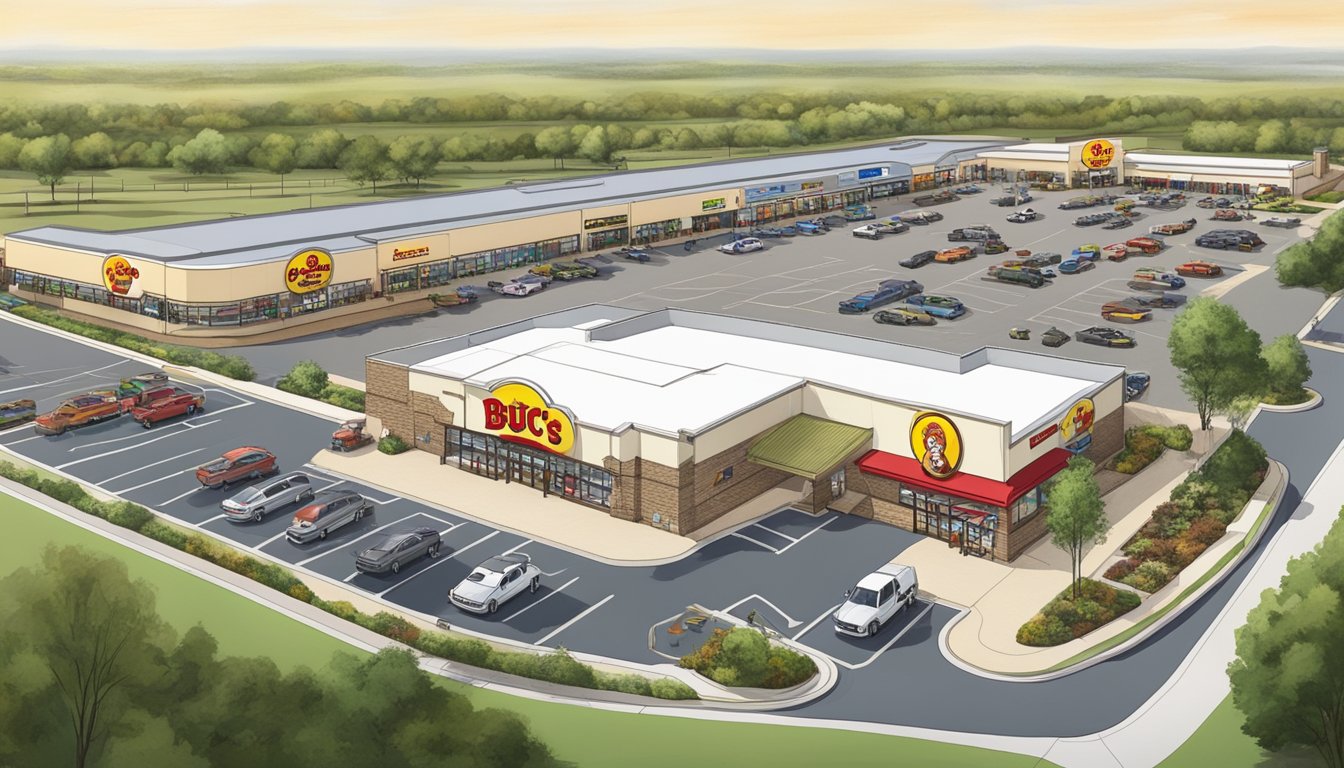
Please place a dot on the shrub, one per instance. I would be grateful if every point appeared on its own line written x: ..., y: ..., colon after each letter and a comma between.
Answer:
x: 560, y: 667
x: 344, y: 397
x: 636, y: 684
x: 129, y: 515
x: 744, y: 657
x: 1238, y: 464
x: 1177, y: 438
x: 1142, y: 447
x: 672, y: 690
x: 165, y: 534
x: 1043, y: 631
x: 1065, y: 618
x: 1150, y: 576
x: 306, y: 378
x: 392, y: 626
x: 786, y: 668
x: 745, y: 651
x: 1206, y: 530
x: 392, y: 445
x: 1121, y: 568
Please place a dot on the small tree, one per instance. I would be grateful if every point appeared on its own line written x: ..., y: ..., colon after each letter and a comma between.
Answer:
x: 1288, y: 677
x: 1217, y: 356
x: 321, y: 149
x: 209, y: 152
x: 594, y: 146
x: 1288, y: 367
x: 1239, y: 410
x: 556, y: 143
x: 94, y: 151
x: 413, y: 157
x: 365, y: 161
x: 48, y: 158
x: 1315, y: 263
x: 276, y: 153
x: 1077, y: 517
x: 306, y: 378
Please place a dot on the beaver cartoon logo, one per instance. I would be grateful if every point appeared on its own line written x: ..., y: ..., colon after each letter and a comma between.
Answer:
x: 120, y: 277
x: 936, y: 444
x: 1076, y: 428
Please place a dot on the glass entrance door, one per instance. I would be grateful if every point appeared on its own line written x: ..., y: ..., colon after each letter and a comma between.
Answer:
x: 524, y: 466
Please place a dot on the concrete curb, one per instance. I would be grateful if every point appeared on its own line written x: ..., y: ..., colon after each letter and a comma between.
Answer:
x: 1174, y: 612
x: 819, y: 685
x: 1312, y: 402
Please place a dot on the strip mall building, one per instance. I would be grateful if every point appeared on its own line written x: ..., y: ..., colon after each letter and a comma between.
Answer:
x: 254, y: 274
x: 574, y: 404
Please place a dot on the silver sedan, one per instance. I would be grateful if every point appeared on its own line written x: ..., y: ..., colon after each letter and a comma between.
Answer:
x: 254, y: 501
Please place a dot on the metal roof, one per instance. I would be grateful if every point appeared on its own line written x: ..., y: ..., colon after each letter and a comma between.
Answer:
x: 808, y: 446
x: 238, y: 240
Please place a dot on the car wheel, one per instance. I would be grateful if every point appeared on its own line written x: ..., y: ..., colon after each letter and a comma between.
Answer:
x: 434, y: 551
x: 254, y: 475
x: 306, y: 496
x: 872, y: 629
x: 358, y: 514
x: 191, y: 410
x: 492, y: 606
x: 260, y: 513
x: 146, y: 423
x: 536, y: 582
x: 322, y: 534
x: 396, y: 566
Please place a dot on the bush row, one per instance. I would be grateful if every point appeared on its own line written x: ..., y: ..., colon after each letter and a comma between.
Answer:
x: 558, y: 667
x: 744, y: 657
x: 233, y: 366
x: 1066, y: 618
x: 1144, y: 444
x: 308, y: 379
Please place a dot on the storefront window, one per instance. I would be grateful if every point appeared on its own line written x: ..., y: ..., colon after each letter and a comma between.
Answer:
x: 1027, y: 506
x: 658, y: 230
x: 607, y: 238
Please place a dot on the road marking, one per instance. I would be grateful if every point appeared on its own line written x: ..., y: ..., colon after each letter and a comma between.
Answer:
x: 380, y: 501
x: 777, y: 533
x: 792, y: 621
x: 67, y: 378
x: 277, y: 536
x: 149, y: 483
x: 178, y: 497
x: 908, y: 626
x: 549, y: 595
x: 204, y: 523
x: 575, y: 620
x: 190, y: 423
x: 127, y: 448
x: 349, y: 578
x: 753, y: 541
x: 441, y: 561
x: 318, y: 471
x: 143, y: 467
x: 352, y: 541
x: 26, y: 439
x: 328, y: 486
x: 828, y: 521
x: 816, y: 621
x: 515, y: 549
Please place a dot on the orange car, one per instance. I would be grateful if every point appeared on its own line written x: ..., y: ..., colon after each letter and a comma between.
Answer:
x: 1199, y: 269
x: 239, y: 464
x: 1145, y: 245
x: 90, y: 408
x: 953, y: 255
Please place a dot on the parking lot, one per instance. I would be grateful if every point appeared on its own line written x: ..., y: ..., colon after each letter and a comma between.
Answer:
x: 801, y: 280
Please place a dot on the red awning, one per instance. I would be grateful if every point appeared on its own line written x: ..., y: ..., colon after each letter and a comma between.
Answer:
x: 969, y: 487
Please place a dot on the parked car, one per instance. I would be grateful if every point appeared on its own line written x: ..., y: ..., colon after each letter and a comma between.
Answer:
x: 1125, y: 311
x: 1155, y: 279
x: 1053, y: 337
x: 919, y: 217
x: 876, y: 600
x: 886, y: 292
x: 946, y: 307
x: 918, y: 260
x: 1090, y: 220
x: 179, y: 403
x: 1162, y: 300
x: 953, y: 255
x: 859, y: 213
x: 1136, y: 384
x: 248, y: 463
x: 1229, y: 214
x: 744, y: 245
x: 1282, y: 221
x: 515, y: 287
x: 1116, y: 251
x: 1074, y: 266
x: 994, y: 246
x: 868, y: 231
x: 975, y: 234
x: 936, y: 198
x: 564, y: 270
x: 17, y: 412
x: 904, y: 316
x: 1090, y: 252
x: 1179, y: 228
x: 1144, y: 245
x: 254, y: 501
x: 495, y: 582
x: 969, y: 189
x: 1105, y: 337
x: 1199, y: 269
x: 1023, y: 216
x: 1043, y: 259
x: 327, y: 511
x: 78, y: 411
x: 1019, y: 276
x: 394, y: 550
x: 1021, y: 266
x: 1116, y: 221
x: 892, y: 226
x: 767, y: 232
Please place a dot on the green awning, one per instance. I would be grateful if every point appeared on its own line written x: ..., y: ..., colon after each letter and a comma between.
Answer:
x: 808, y: 446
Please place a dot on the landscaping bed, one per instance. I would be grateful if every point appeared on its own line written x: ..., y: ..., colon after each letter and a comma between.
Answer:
x: 745, y: 658
x: 1144, y: 444
x: 1195, y: 517
x: 308, y: 379
x: 1066, y: 618
x: 1278, y: 398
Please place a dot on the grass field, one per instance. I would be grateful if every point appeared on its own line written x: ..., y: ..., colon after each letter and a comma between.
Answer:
x: 1220, y: 742
x: 587, y: 737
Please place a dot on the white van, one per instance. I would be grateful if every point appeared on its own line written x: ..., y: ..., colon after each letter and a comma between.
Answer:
x: 876, y: 600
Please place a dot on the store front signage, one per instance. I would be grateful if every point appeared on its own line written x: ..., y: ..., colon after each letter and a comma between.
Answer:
x: 308, y: 271
x: 847, y: 178
x: 936, y: 444
x: 1098, y: 153
x: 606, y: 221
x: 120, y: 278
x: 1043, y: 435
x: 409, y: 252
x: 1076, y: 428
x: 518, y: 413
x: 812, y: 186
x: 713, y: 205
x: 873, y: 173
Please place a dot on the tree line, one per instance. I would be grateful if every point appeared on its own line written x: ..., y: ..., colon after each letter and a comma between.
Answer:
x: 92, y: 675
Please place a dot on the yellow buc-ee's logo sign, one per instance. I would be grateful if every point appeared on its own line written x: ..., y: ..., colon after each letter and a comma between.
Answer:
x: 308, y: 271
x: 1078, y: 420
x: 518, y: 413
x: 120, y: 277
x: 936, y: 444
x: 1098, y: 153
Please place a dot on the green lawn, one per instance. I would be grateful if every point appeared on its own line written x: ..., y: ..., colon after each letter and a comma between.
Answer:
x: 1220, y: 742
x: 589, y: 738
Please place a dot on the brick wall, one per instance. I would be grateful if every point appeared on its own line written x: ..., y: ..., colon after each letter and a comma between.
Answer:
x: 387, y: 396
x: 429, y: 416
x: 1026, y: 533
x: 749, y: 480
x: 1108, y: 437
x: 664, y: 491
x: 624, y: 488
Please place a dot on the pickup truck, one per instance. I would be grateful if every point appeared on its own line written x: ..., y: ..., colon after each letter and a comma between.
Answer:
x: 875, y: 600
x: 78, y: 411
x: 177, y: 403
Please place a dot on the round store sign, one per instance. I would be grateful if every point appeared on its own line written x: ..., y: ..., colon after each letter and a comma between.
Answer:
x: 120, y: 278
x: 936, y: 444
x: 1098, y: 153
x: 1077, y: 424
x: 518, y: 413
x: 308, y: 271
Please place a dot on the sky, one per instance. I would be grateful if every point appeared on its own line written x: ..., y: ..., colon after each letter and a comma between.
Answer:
x: 777, y: 24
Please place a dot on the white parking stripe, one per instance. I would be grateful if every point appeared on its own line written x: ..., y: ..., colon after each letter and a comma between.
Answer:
x: 178, y: 497
x: 143, y: 467
x: 220, y: 516
x: 137, y: 446
x: 276, y: 537
x: 575, y: 620
x: 150, y: 482
x: 772, y: 530
x: 908, y: 626
x: 67, y: 378
x: 488, y: 536
x: 757, y: 543
x: 317, y: 471
x: 551, y: 594
x: 805, y: 535
x: 190, y: 423
x: 352, y: 541
x: 817, y: 621
x: 351, y: 577
x: 511, y: 550
x: 26, y: 439
x: 380, y: 501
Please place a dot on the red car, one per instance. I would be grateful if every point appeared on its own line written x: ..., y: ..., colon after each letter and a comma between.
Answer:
x: 1199, y: 269
x: 239, y: 464
x: 176, y: 403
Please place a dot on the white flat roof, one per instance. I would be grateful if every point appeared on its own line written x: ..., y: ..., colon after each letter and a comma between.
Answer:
x: 674, y: 377
x: 1212, y: 163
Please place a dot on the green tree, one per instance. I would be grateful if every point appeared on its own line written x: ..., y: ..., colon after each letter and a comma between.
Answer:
x: 48, y: 158
x: 1287, y: 365
x: 10, y: 147
x: 365, y: 161
x: 1076, y: 518
x: 1288, y: 677
x: 94, y: 151
x: 321, y: 149
x: 1272, y: 136
x: 556, y: 143
x: 1216, y: 355
x: 208, y: 152
x: 413, y: 157
x: 306, y: 378
x: 276, y: 153
x: 594, y: 146
x: 1315, y: 263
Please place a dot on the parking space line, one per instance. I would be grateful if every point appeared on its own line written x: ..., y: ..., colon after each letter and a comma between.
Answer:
x: 909, y: 625
x: 127, y: 448
x: 511, y: 550
x: 816, y: 621
x: 753, y: 541
x: 380, y: 501
x: 179, y: 496
x: 827, y: 522
x: 64, y: 379
x: 777, y: 533
x: 350, y: 578
x: 346, y: 544
x: 575, y: 620
x: 317, y: 472
x: 489, y: 535
x: 276, y: 537
x: 143, y: 467
x: 551, y: 594
x: 204, y: 523
x: 328, y: 486
x: 26, y: 439
x: 150, y: 482
x: 792, y: 621
x: 190, y: 423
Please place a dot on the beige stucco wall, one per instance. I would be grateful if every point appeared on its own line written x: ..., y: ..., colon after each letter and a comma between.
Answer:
x: 664, y: 450
x: 438, y: 246
x: 487, y: 237
x: 1105, y: 402
x: 1038, y: 166
x: 81, y: 266
x: 683, y: 206
x: 199, y: 285
x: 760, y: 419
x: 603, y: 211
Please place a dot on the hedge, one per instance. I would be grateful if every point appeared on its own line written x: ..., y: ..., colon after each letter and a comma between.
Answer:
x: 744, y: 657
x: 233, y: 366
x: 557, y: 667
x: 1144, y: 444
x: 1064, y: 618
x: 308, y: 379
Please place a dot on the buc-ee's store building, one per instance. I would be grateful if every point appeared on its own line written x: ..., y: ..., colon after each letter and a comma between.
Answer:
x: 245, y: 275
x: 673, y: 418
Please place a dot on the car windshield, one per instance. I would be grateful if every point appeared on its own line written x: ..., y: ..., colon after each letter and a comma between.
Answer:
x: 486, y: 578
x: 247, y: 494
x: 861, y: 596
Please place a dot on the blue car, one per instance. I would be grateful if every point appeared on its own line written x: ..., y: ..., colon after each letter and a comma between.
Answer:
x: 938, y: 306
x: 1074, y: 266
x: 887, y: 291
x: 1136, y: 384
